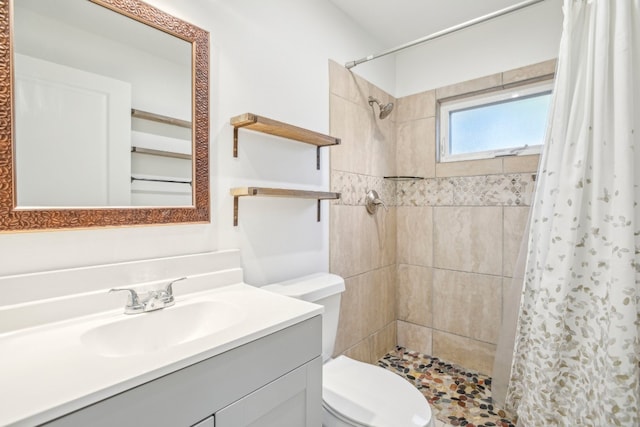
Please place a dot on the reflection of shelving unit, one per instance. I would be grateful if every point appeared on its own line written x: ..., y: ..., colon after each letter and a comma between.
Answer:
x: 155, y: 152
x: 273, y: 127
x: 158, y: 145
x: 145, y: 115
x: 161, y: 160
x: 278, y: 192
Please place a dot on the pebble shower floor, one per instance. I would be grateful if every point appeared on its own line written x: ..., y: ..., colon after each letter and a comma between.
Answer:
x: 459, y: 396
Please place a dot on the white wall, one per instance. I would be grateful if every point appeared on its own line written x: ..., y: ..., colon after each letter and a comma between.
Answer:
x: 521, y: 38
x: 158, y: 85
x: 270, y: 58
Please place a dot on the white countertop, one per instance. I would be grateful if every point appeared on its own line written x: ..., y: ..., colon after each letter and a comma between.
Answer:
x: 46, y: 371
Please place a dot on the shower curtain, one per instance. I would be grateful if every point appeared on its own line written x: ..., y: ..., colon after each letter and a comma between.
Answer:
x: 576, y: 358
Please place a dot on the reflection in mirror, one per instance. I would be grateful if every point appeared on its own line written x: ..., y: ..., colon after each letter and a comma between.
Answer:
x: 79, y: 71
x: 104, y: 115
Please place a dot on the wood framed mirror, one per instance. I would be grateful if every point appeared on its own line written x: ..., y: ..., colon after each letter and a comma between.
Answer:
x: 38, y: 190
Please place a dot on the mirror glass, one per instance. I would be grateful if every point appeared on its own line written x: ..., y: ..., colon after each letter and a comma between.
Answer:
x: 102, y: 109
x: 104, y: 116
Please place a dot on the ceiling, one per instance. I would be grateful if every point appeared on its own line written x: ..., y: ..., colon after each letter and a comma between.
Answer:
x: 395, y: 22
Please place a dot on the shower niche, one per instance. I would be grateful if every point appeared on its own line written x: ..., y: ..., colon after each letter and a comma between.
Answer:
x: 262, y: 124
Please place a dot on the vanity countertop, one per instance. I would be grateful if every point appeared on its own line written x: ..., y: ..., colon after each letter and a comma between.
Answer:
x: 47, y: 371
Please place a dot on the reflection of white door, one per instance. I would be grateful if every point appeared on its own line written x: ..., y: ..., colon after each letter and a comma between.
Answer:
x: 72, y: 136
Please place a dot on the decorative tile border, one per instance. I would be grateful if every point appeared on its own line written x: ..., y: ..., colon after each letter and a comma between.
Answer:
x: 354, y: 187
x: 483, y: 190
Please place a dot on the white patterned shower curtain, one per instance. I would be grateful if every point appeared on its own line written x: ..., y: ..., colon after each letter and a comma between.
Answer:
x: 576, y: 360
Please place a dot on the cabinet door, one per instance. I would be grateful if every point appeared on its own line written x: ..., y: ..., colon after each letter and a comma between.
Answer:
x: 74, y: 129
x: 293, y: 400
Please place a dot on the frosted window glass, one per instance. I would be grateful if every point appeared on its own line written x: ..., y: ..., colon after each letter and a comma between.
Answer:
x: 501, y: 125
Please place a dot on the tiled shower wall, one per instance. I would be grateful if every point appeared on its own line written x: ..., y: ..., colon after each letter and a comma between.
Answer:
x: 430, y: 273
x: 459, y: 231
x: 362, y: 247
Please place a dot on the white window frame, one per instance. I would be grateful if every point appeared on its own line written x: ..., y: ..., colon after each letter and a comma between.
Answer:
x: 446, y: 107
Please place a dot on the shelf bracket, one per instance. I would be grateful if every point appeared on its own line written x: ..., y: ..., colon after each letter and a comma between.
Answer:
x: 235, y: 211
x: 235, y: 141
x: 319, y: 196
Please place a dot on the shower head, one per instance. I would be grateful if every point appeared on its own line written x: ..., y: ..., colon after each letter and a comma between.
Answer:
x: 385, y: 110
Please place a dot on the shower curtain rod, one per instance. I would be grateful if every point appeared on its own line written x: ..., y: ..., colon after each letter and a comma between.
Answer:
x: 444, y: 32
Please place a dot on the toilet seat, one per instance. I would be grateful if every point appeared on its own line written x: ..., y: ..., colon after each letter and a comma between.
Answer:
x: 367, y: 395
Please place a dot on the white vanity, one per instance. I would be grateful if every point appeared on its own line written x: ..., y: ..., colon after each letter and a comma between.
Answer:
x: 226, y: 354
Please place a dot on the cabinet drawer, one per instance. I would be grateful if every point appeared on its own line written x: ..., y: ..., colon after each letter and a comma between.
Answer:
x: 293, y: 400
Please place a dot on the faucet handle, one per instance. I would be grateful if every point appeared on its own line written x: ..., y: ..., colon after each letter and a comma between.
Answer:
x: 135, y: 300
x: 372, y: 201
x: 380, y: 202
x: 169, y: 288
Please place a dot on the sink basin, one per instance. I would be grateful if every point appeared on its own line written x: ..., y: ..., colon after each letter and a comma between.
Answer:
x: 161, y: 329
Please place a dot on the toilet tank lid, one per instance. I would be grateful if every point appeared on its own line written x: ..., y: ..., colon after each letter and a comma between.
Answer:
x: 310, y: 288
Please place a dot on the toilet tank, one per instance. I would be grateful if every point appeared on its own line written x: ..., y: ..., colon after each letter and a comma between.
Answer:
x: 321, y: 288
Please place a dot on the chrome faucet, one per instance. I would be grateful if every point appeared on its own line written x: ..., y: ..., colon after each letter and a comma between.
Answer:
x: 154, y: 300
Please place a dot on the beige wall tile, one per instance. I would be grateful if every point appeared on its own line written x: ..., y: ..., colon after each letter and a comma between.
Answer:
x: 529, y: 72
x: 416, y: 148
x: 361, y: 351
x: 418, y: 106
x: 367, y: 306
x: 469, y: 86
x: 415, y: 235
x: 352, y: 124
x: 469, y: 353
x: 515, y: 221
x: 350, y: 251
x: 506, y: 286
x: 468, y: 239
x: 383, y: 341
x: 518, y: 164
x: 353, y: 314
x: 381, y: 149
x: 343, y: 83
x: 415, y: 337
x: 467, y: 304
x: 367, y: 142
x: 383, y: 229
x: 469, y: 168
x: 414, y: 294
x: 379, y: 298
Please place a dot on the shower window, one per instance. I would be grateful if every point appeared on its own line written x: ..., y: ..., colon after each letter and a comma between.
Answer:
x: 500, y: 123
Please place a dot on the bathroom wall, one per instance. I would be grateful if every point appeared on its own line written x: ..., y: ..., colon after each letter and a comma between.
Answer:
x: 518, y: 39
x: 459, y: 231
x: 363, y: 246
x: 269, y: 58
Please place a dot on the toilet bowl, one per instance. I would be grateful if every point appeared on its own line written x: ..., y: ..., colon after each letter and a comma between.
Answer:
x: 355, y: 394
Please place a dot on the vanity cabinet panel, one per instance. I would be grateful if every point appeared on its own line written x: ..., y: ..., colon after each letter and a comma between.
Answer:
x: 190, y: 395
x: 288, y: 401
x: 209, y: 422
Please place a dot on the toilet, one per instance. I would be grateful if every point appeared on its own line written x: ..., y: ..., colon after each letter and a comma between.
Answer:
x: 355, y: 394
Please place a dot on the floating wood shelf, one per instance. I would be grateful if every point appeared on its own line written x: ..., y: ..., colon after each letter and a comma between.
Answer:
x: 274, y: 127
x: 145, y: 115
x: 278, y: 192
